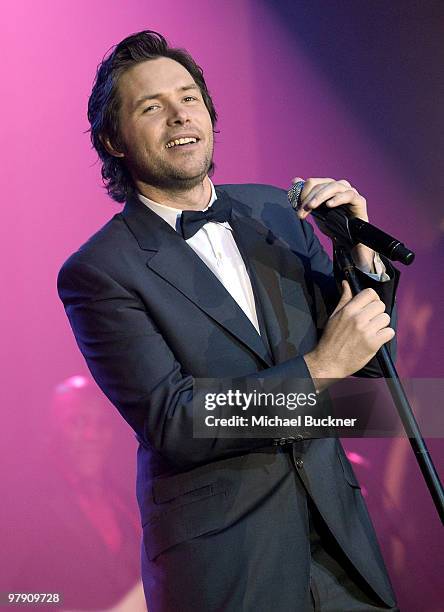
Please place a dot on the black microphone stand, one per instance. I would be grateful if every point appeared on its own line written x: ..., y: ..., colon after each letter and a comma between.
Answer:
x: 346, y: 265
x: 338, y: 226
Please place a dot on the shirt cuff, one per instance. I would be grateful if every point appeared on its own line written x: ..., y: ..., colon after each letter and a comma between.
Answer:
x: 380, y: 274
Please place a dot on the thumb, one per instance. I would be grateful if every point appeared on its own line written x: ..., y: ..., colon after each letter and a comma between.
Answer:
x: 346, y: 296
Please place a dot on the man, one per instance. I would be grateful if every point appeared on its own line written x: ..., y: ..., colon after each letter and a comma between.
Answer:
x: 163, y: 295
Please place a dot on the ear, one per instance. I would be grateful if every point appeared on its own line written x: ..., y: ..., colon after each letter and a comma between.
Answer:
x: 110, y: 147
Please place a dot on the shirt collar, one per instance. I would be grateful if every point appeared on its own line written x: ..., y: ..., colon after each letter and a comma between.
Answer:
x: 168, y: 213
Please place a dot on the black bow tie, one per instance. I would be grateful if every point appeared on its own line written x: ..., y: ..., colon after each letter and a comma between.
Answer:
x: 192, y: 220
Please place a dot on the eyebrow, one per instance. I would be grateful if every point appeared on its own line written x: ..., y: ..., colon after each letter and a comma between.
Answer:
x: 159, y: 95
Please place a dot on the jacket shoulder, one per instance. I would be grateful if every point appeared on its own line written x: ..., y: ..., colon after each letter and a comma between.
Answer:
x: 104, y: 243
x: 271, y: 207
x: 256, y: 194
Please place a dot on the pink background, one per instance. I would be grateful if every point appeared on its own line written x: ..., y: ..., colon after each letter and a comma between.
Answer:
x: 287, y: 108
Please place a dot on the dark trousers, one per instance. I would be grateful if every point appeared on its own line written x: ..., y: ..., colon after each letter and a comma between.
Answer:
x: 335, y: 585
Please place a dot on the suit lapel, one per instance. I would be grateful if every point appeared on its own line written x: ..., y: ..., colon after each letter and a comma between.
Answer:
x: 277, y: 277
x: 175, y: 261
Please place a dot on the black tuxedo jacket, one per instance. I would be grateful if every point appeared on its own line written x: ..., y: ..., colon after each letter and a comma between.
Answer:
x: 224, y: 521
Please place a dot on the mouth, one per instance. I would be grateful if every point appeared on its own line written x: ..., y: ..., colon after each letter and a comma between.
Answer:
x: 184, y: 141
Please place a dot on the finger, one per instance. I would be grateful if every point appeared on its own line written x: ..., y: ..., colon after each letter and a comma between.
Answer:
x: 349, y: 196
x: 362, y: 299
x: 379, y: 322
x: 311, y: 183
x: 320, y: 194
x: 385, y: 335
x: 344, y: 182
x: 345, y: 298
x: 374, y: 309
x: 308, y: 194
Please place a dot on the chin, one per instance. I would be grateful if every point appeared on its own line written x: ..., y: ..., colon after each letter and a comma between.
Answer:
x: 192, y: 177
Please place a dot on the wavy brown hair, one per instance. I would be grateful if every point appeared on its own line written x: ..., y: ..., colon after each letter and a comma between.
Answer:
x: 104, y: 102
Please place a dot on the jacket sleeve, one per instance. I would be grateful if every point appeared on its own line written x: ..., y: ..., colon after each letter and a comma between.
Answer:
x: 135, y: 368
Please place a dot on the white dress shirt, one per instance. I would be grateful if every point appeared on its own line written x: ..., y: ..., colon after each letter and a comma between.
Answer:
x: 215, y: 245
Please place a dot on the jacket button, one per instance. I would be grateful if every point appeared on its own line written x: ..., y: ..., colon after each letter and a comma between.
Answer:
x: 299, y: 463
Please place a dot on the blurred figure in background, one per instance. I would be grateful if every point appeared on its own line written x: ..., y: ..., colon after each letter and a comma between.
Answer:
x: 82, y: 536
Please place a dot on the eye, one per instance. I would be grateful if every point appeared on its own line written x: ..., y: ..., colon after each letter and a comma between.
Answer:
x: 150, y: 108
x: 189, y: 98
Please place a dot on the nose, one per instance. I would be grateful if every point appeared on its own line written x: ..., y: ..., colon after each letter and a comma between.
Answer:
x: 177, y: 114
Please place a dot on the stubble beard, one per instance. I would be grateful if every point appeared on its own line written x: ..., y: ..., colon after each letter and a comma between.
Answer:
x: 161, y: 174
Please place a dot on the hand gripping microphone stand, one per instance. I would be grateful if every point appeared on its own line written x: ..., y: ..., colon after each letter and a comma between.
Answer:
x: 345, y: 233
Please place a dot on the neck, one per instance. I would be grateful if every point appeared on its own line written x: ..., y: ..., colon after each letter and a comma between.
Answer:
x: 196, y: 198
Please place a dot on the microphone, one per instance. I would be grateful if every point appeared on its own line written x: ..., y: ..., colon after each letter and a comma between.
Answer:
x: 347, y: 231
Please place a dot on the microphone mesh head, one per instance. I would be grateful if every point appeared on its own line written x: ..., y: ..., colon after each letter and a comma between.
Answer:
x: 294, y: 193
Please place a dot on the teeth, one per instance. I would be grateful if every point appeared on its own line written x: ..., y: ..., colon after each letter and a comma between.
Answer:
x: 180, y: 141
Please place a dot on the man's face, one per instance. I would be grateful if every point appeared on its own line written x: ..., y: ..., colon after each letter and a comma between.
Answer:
x: 160, y: 104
